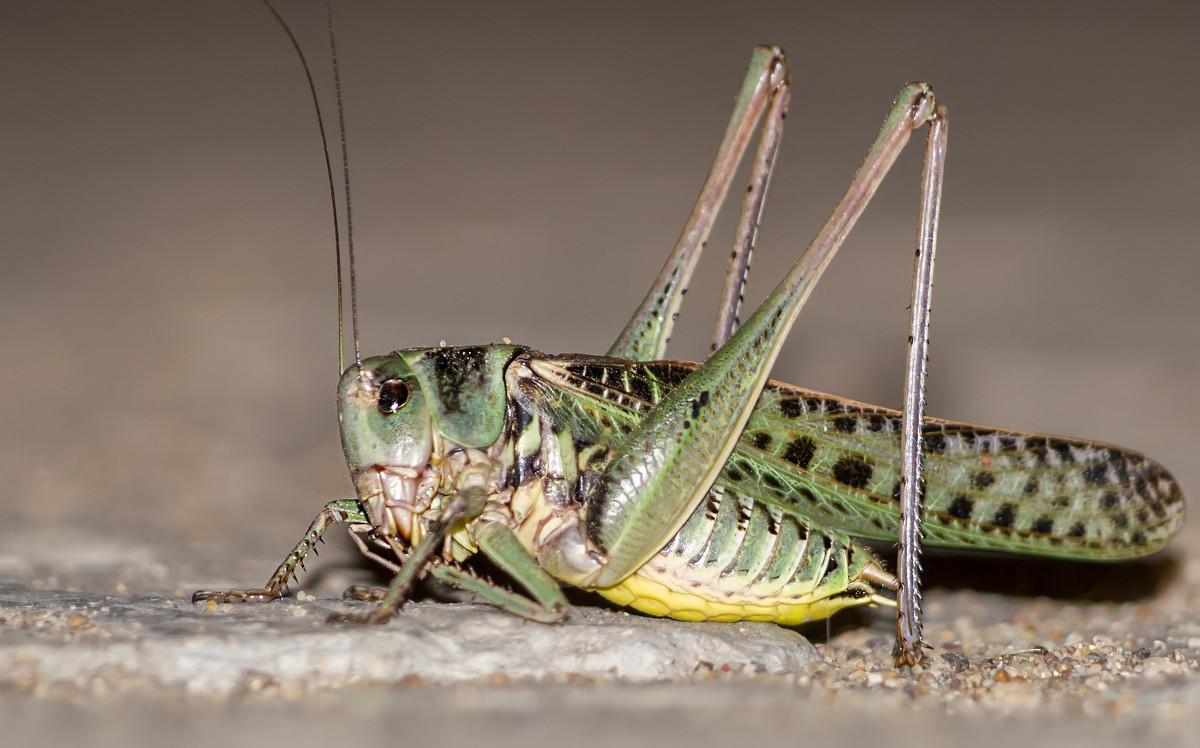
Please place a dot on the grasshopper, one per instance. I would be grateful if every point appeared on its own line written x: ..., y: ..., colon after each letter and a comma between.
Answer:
x: 706, y: 491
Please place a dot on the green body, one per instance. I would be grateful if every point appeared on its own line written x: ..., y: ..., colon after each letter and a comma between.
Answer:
x: 774, y: 537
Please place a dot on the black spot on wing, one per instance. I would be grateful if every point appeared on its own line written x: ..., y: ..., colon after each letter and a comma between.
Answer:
x: 639, y: 387
x: 790, y: 407
x: 761, y: 440
x: 593, y: 372
x: 934, y: 442
x: 1004, y: 516
x: 852, y: 471
x: 961, y: 507
x: 845, y: 424
x: 1141, y: 488
x: 671, y: 374
x: 1062, y: 448
x: 1096, y: 475
x: 1120, y: 465
x: 800, y: 451
x: 1037, y: 454
x: 982, y: 479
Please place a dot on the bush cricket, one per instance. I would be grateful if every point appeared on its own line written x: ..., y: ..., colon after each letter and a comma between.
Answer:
x: 706, y: 491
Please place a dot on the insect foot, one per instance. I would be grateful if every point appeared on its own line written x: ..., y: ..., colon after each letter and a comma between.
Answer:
x: 235, y: 596
x: 362, y: 592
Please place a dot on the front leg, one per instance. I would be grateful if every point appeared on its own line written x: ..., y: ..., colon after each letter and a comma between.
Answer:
x: 335, y: 512
x: 464, y: 505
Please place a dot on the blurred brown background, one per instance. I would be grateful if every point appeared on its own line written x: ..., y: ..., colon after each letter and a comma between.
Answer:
x: 166, y: 291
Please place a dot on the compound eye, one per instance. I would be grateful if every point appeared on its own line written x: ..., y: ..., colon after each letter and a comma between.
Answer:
x: 393, y: 393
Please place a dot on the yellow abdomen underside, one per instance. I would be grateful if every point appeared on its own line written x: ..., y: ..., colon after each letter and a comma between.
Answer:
x: 657, y: 590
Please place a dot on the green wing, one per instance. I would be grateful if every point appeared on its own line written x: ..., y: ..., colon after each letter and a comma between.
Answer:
x: 836, y: 463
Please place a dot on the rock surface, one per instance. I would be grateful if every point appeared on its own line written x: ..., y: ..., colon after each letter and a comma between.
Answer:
x: 82, y: 654
x: 55, y: 639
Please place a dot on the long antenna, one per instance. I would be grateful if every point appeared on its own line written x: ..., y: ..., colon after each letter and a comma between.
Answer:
x: 337, y: 87
x: 337, y: 233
